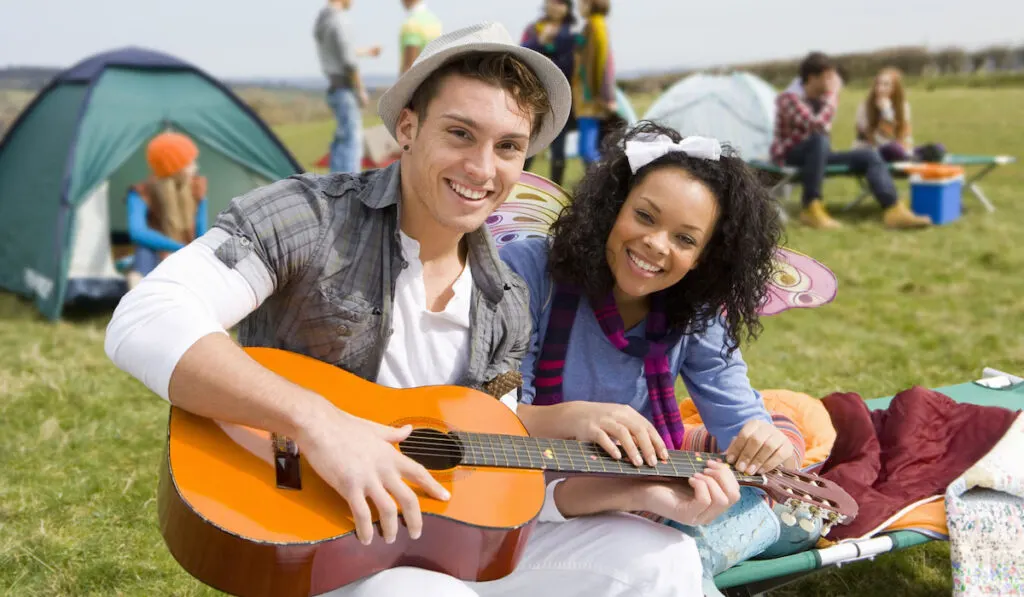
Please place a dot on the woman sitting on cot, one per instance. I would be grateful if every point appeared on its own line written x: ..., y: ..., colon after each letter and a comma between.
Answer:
x: 883, y: 122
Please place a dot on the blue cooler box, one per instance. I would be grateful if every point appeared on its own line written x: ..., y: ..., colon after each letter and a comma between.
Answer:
x: 938, y: 199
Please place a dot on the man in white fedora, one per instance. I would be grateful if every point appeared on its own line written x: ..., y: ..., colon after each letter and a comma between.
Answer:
x: 391, y: 275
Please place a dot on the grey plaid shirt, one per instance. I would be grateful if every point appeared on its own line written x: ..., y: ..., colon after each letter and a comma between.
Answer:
x: 332, y: 247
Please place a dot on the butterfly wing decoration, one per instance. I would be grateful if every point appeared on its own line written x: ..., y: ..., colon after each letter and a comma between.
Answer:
x: 531, y: 208
x: 799, y: 282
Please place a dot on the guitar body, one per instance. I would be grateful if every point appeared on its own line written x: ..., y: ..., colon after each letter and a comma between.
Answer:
x: 226, y: 521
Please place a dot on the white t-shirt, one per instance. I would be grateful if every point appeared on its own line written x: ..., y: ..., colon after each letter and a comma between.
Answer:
x: 426, y: 348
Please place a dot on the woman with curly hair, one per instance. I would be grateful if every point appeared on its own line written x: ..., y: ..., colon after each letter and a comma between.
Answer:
x: 655, y: 270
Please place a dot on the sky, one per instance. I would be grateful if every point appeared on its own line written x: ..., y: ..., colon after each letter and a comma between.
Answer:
x: 273, y: 38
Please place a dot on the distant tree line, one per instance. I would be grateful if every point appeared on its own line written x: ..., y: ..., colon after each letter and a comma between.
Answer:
x: 861, y: 67
x: 29, y: 78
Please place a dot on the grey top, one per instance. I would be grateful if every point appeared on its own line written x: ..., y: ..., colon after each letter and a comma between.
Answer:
x: 331, y: 244
x: 335, y: 43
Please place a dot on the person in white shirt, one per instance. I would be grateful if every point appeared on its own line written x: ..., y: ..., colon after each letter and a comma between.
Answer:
x: 393, y: 276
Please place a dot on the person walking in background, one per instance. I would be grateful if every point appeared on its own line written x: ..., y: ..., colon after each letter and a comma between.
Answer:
x: 553, y: 35
x: 419, y: 28
x: 803, y: 123
x: 346, y: 94
x: 594, y: 78
x: 167, y: 210
x: 883, y: 122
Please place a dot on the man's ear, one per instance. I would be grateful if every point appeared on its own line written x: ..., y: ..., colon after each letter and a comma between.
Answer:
x: 408, y: 124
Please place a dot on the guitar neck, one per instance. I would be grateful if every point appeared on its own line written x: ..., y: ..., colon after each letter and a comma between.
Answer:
x: 569, y: 456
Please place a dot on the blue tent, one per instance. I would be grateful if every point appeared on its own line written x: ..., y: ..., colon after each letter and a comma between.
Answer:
x: 67, y: 162
x: 738, y: 109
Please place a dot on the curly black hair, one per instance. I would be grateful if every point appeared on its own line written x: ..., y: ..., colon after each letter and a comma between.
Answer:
x: 735, y: 267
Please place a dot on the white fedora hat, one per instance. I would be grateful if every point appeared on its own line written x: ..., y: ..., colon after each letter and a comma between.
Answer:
x: 484, y: 37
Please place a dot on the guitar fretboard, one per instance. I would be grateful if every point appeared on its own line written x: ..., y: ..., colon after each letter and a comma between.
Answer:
x: 569, y: 456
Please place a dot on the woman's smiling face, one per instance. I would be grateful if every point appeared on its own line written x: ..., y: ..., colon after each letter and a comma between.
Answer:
x: 660, y: 232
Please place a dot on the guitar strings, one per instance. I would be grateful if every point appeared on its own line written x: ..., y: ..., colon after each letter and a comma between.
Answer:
x: 517, y: 458
x: 497, y: 442
x: 497, y: 449
x: 680, y: 467
x: 494, y: 442
x: 586, y: 448
x: 649, y: 471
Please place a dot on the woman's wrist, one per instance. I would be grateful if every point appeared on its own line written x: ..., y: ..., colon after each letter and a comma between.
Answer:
x: 543, y: 421
x: 580, y: 496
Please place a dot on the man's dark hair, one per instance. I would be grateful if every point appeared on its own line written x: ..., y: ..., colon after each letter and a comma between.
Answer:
x: 814, y: 64
x: 499, y: 69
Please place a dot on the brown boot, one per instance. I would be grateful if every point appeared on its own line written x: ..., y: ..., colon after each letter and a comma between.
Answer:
x: 816, y: 216
x: 900, y: 216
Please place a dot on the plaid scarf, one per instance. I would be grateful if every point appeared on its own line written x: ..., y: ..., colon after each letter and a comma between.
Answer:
x: 653, y: 349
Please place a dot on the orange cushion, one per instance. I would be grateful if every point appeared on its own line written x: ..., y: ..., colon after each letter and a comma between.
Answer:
x: 806, y: 412
x: 930, y: 517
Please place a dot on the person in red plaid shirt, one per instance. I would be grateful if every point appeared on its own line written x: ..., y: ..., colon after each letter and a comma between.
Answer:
x: 803, y: 122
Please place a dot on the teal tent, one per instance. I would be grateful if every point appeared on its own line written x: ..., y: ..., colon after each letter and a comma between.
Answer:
x: 624, y: 107
x: 67, y: 162
x: 737, y: 108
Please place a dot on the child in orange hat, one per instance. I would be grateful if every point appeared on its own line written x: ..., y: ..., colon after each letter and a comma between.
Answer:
x: 167, y: 210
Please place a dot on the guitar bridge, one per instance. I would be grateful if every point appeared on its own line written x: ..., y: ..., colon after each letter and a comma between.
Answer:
x: 286, y: 462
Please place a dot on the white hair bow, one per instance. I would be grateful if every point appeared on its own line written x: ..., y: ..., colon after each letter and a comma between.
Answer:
x: 645, y: 149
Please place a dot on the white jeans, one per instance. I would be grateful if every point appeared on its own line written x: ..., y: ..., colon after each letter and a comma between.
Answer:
x: 608, y: 555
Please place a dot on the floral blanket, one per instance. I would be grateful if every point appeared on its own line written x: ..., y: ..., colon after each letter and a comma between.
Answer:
x: 985, y: 515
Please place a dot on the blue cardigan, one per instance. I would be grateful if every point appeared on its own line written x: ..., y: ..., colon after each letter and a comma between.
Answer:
x: 597, y: 371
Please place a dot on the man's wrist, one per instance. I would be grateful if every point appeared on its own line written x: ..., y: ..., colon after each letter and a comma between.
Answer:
x: 305, y: 413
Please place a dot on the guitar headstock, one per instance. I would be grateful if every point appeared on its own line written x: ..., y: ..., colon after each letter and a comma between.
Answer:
x: 822, y: 498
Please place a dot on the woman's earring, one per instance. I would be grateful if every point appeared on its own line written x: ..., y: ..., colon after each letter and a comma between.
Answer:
x: 405, y: 148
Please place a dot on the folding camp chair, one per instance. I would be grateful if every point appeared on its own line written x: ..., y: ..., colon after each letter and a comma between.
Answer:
x: 988, y: 163
x: 789, y: 175
x: 757, y: 577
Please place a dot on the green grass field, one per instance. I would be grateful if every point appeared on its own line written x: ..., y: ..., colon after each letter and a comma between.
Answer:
x: 80, y: 441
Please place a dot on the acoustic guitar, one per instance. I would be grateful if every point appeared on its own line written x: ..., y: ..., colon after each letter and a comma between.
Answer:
x: 243, y: 512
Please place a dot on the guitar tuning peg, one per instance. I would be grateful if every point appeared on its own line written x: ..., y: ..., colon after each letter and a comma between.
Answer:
x: 787, y: 518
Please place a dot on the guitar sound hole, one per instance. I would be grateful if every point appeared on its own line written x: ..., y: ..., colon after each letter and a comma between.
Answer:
x: 435, y: 450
